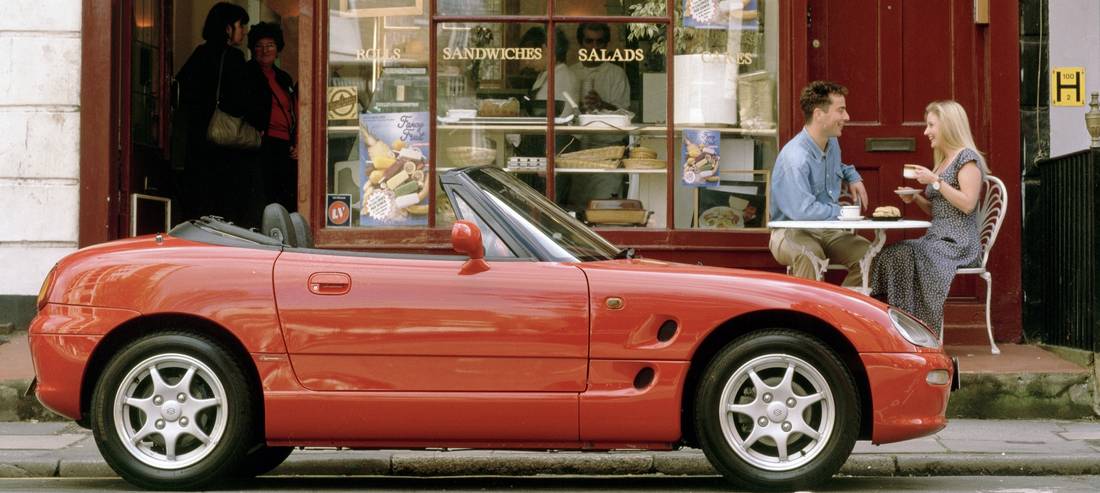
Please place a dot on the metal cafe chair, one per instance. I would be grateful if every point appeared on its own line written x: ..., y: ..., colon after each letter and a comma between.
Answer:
x: 991, y: 215
x: 821, y: 264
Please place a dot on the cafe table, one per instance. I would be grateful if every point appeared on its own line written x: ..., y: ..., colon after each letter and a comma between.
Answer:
x: 880, y: 228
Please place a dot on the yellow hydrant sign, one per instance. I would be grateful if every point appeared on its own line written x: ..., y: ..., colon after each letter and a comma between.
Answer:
x: 1067, y: 86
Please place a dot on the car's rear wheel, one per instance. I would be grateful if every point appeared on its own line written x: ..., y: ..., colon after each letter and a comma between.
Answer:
x: 172, y: 411
x: 777, y: 409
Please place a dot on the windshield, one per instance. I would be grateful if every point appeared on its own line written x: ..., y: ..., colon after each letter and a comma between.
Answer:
x: 566, y: 238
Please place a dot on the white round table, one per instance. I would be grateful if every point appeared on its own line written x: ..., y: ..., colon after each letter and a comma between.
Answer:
x: 880, y: 227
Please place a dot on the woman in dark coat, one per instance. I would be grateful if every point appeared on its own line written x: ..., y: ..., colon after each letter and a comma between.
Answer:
x: 273, y: 110
x: 217, y: 180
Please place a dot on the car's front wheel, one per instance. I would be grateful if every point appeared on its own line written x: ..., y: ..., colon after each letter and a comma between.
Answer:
x: 777, y: 409
x: 172, y: 411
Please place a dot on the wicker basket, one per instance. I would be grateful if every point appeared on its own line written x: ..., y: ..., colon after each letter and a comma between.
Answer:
x: 609, y: 153
x: 471, y: 156
x: 573, y: 163
x: 642, y: 163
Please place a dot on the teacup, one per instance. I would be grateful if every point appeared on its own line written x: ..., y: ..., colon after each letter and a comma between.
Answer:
x: 909, y: 171
x: 849, y: 211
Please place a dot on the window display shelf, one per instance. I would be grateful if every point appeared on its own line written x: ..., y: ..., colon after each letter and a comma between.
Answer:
x: 621, y: 171
x: 574, y: 129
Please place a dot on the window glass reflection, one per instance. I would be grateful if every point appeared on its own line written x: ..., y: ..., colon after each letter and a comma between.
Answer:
x: 490, y: 7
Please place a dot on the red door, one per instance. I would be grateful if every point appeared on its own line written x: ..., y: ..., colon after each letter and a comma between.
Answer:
x: 895, y: 57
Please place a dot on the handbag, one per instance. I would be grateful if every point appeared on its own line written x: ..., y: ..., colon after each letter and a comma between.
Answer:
x: 227, y: 130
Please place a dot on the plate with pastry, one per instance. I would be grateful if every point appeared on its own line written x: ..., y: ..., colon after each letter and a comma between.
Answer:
x: 886, y: 213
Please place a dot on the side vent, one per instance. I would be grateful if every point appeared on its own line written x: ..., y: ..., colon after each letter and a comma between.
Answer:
x: 643, y: 378
x: 667, y: 331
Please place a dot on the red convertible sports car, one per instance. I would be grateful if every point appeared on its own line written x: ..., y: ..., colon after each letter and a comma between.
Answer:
x: 211, y: 351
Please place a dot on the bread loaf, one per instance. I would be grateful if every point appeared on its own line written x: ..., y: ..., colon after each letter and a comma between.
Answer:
x: 887, y: 211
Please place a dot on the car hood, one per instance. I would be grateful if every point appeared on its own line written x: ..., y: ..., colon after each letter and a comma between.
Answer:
x: 710, y: 296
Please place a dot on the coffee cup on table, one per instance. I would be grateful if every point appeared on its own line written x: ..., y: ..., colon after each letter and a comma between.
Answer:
x: 909, y: 171
x: 849, y: 211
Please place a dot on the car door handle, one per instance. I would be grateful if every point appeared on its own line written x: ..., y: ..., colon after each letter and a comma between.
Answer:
x: 329, y: 283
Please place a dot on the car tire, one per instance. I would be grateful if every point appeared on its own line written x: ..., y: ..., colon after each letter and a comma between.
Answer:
x: 777, y: 410
x: 262, y: 460
x: 157, y: 430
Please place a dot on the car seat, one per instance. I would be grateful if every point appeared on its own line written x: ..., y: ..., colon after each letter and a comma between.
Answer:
x: 301, y: 230
x: 276, y: 224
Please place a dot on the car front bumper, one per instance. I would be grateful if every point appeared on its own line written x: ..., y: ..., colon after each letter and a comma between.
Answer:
x: 62, y: 339
x: 905, y: 405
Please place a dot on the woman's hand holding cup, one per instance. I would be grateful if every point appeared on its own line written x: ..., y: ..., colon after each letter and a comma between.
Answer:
x: 919, y: 173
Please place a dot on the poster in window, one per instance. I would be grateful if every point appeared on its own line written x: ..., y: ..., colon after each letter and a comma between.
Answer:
x: 700, y: 157
x: 733, y: 15
x: 380, y: 8
x: 393, y: 150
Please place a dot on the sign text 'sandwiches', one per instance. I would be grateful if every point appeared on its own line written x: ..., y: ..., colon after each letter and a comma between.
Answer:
x: 492, y: 53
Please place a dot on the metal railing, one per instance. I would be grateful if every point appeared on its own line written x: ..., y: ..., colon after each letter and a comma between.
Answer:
x: 1071, y: 203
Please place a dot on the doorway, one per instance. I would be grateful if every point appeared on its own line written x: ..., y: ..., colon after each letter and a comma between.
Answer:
x: 154, y: 38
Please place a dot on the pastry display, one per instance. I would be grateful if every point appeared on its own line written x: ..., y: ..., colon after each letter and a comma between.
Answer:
x: 498, y: 107
x: 397, y: 180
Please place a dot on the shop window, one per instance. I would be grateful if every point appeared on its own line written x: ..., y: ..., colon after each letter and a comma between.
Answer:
x: 494, y: 107
x: 378, y: 123
x: 607, y: 106
x: 726, y: 69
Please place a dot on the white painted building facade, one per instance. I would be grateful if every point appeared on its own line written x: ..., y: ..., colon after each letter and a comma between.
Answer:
x: 40, y: 46
x: 1074, y: 42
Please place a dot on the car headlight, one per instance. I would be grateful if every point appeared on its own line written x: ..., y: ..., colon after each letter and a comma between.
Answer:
x: 44, y: 291
x: 912, y: 330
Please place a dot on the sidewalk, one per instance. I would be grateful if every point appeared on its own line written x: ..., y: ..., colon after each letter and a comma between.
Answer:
x: 965, y: 447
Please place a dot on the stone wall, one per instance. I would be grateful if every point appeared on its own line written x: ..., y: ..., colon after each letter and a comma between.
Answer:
x: 39, y: 145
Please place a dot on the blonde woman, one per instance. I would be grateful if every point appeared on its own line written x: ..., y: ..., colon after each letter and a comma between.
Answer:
x: 915, y: 275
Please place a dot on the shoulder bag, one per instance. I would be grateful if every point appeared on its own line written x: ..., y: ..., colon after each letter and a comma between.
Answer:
x: 227, y: 130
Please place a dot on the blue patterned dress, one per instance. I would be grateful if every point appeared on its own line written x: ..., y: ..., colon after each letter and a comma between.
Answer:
x: 915, y: 275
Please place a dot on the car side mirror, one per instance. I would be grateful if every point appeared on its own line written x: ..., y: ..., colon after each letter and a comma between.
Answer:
x: 466, y: 239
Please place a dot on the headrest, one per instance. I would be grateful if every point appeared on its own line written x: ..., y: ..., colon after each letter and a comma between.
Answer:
x: 301, y: 230
x: 276, y: 224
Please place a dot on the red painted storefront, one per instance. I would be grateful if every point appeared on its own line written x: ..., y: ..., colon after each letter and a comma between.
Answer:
x: 894, y: 56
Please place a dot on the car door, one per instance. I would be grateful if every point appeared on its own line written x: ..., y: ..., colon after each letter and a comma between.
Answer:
x: 377, y: 322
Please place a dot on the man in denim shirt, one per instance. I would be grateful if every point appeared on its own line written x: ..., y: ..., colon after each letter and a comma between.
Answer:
x: 806, y: 185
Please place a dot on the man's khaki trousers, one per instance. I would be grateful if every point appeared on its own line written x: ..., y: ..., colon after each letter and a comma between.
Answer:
x: 790, y: 247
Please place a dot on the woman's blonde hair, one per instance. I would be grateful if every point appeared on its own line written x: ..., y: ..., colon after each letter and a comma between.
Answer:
x: 954, y: 130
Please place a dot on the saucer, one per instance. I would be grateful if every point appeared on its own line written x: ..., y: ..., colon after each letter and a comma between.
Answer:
x: 907, y: 191
x: 857, y: 218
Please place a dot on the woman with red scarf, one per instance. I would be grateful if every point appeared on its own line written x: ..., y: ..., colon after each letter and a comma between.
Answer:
x: 273, y: 112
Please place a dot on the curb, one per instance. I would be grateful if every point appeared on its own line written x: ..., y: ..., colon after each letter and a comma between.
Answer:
x: 687, y: 463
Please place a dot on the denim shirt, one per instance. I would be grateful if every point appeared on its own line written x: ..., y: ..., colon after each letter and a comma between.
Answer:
x: 805, y: 184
